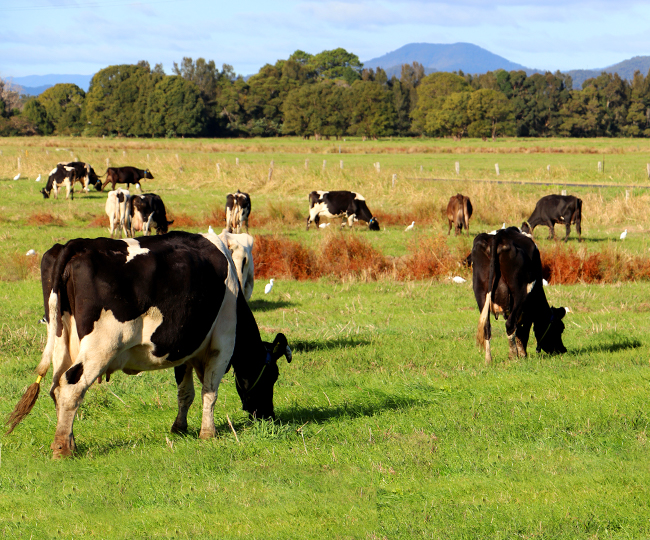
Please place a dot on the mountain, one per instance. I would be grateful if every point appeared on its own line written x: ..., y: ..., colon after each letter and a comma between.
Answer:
x: 466, y: 57
x: 625, y: 70
x: 33, y: 85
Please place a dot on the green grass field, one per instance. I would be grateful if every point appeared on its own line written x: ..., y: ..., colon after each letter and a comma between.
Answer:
x: 389, y: 423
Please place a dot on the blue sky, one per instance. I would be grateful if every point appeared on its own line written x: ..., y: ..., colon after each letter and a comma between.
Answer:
x: 40, y: 37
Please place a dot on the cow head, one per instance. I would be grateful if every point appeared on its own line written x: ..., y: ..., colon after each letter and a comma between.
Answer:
x: 46, y: 193
x: 373, y: 224
x: 257, y: 394
x: 525, y: 228
x: 549, y: 335
x: 163, y: 227
x: 147, y: 174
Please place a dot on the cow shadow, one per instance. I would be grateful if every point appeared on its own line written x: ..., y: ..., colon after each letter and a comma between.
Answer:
x: 620, y: 345
x: 341, y: 343
x: 268, y: 305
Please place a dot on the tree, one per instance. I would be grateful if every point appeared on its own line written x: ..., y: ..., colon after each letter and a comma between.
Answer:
x: 452, y: 118
x: 37, y: 115
x: 372, y: 112
x: 337, y: 64
x: 490, y: 113
x: 63, y: 105
x: 432, y: 93
x: 175, y: 108
x: 316, y: 109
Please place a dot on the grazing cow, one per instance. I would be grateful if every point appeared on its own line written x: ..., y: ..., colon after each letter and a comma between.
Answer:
x: 238, y: 208
x: 147, y: 304
x: 241, y: 250
x: 459, y: 210
x: 116, y: 210
x: 348, y: 205
x: 85, y: 175
x: 144, y: 211
x: 60, y: 176
x: 554, y: 209
x: 507, y: 280
x: 125, y: 175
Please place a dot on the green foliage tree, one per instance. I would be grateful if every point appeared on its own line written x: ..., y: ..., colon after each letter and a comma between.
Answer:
x: 175, y: 108
x: 432, y: 94
x: 37, y: 115
x: 372, y: 112
x: 337, y: 64
x: 316, y: 110
x: 64, y: 104
x: 490, y: 113
x: 452, y: 119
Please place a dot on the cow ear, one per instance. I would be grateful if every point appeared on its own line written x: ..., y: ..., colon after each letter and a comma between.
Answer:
x: 281, y: 348
x: 561, y: 312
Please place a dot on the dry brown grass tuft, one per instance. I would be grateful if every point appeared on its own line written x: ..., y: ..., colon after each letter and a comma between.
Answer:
x: 429, y: 258
x: 17, y: 267
x: 44, y: 218
x: 277, y: 257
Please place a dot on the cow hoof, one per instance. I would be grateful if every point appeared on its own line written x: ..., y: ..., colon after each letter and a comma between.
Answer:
x: 179, y: 427
x: 207, y: 433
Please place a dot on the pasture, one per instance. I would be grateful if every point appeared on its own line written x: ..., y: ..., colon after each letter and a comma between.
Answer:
x: 389, y: 423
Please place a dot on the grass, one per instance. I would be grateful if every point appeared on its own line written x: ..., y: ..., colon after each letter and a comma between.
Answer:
x: 389, y: 423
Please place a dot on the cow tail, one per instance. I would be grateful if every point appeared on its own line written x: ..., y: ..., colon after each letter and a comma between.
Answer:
x: 465, y: 214
x: 493, y: 279
x: 28, y: 400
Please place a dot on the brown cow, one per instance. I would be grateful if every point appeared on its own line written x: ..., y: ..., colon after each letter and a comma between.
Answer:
x: 459, y: 210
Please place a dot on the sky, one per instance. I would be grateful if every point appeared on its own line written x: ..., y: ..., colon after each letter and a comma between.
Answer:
x: 40, y: 37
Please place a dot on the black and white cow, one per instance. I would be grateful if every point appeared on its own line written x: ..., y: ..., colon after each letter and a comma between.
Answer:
x: 116, y: 210
x: 348, y: 205
x: 238, y: 209
x: 85, y: 175
x: 146, y: 211
x: 553, y: 209
x: 140, y: 305
x: 507, y: 280
x: 61, y: 176
x: 125, y: 175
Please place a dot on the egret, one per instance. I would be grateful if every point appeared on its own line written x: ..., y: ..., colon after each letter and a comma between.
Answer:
x: 458, y: 279
x: 323, y: 225
x: 17, y: 176
x: 544, y: 282
x: 138, y: 186
x: 210, y: 229
x: 268, y: 287
x: 504, y: 225
x: 38, y: 178
x: 30, y: 252
x: 410, y: 227
x: 624, y: 234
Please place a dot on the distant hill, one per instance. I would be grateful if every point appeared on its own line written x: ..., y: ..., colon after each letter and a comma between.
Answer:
x: 33, y: 85
x: 441, y: 57
x: 625, y: 70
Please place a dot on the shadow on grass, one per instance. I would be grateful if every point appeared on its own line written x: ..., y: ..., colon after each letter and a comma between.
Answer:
x: 341, y: 343
x: 268, y: 305
x: 619, y: 345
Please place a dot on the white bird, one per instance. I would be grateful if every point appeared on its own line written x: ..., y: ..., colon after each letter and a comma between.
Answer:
x: 544, y: 282
x: 323, y: 225
x: 210, y: 230
x: 458, y: 279
x: 38, y: 178
x: 268, y: 287
x: 138, y: 186
x: 624, y: 234
x: 504, y: 225
x: 17, y: 176
x: 410, y: 227
x: 30, y: 252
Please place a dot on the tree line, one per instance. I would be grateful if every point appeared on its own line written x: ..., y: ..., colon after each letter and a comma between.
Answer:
x: 329, y: 94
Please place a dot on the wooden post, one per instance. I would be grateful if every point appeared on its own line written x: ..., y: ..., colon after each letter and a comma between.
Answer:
x: 19, y: 163
x: 548, y: 169
x: 124, y: 153
x: 420, y: 168
x: 458, y: 167
x: 272, y: 164
x: 108, y: 162
x: 394, y: 178
x: 324, y: 164
x: 563, y: 192
x: 341, y: 164
x: 648, y: 169
x: 237, y: 162
x: 270, y: 174
x: 496, y: 168
x: 378, y: 167
x: 218, y: 168
x: 627, y: 195
x: 147, y: 158
x: 600, y: 166
x: 306, y: 164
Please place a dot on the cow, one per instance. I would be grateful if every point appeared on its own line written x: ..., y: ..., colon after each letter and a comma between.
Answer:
x: 153, y: 303
x: 238, y: 208
x: 146, y: 211
x: 85, y: 175
x: 125, y: 175
x: 116, y: 210
x: 241, y: 250
x: 507, y: 280
x: 348, y: 205
x: 553, y: 209
x: 60, y: 176
x: 459, y: 210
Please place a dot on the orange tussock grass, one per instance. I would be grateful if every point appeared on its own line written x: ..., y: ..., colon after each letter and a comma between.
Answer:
x: 344, y: 254
x: 428, y: 258
x: 18, y: 266
x: 44, y: 218
x: 99, y: 221
x: 277, y: 257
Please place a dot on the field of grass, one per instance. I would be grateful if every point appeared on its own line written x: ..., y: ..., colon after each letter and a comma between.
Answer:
x: 389, y: 423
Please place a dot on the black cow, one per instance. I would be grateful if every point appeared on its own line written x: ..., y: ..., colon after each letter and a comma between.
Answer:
x: 85, y: 174
x: 238, y: 208
x: 144, y: 211
x: 554, y: 209
x: 147, y: 304
x: 125, y: 175
x: 348, y: 205
x: 507, y: 280
x: 60, y: 176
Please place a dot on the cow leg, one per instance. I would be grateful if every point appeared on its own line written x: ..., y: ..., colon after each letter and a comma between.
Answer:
x: 449, y: 231
x: 351, y: 220
x: 551, y: 230
x: 185, y: 389
x: 488, y: 352
x: 567, y: 221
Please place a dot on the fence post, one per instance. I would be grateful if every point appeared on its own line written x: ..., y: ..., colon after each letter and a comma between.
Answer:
x: 324, y: 164
x: 306, y: 164
x: 648, y: 169
x: 458, y: 167
x: 563, y: 192
x: 341, y: 164
x: 394, y: 178
x: 218, y: 168
x: 108, y: 162
x: 600, y: 166
x: 237, y: 161
x: 496, y: 168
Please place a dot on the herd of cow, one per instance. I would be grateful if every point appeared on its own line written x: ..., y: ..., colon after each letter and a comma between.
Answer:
x: 180, y: 299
